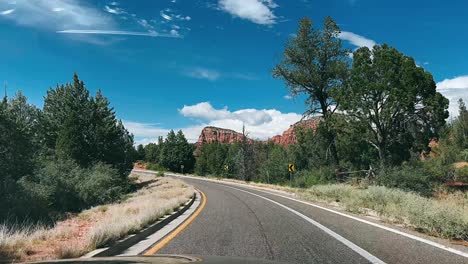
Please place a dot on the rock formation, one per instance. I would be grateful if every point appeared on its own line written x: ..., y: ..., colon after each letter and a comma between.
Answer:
x: 221, y: 135
x: 289, y: 136
x: 227, y: 136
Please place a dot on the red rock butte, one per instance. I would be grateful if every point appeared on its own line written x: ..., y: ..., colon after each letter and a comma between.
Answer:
x: 289, y: 136
x: 220, y: 135
x: 227, y: 136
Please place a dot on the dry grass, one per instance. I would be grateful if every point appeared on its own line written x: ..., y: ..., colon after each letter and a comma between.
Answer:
x: 97, y: 226
x: 445, y: 217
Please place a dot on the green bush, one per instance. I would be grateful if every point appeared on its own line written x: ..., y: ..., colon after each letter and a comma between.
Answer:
x: 101, y: 184
x: 308, y: 178
x: 461, y: 174
x: 407, y: 177
x: 154, y: 167
x: 439, y: 171
x: 66, y: 187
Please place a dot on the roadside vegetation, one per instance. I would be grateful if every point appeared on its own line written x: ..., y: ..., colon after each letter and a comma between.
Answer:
x: 66, y: 157
x: 382, y: 143
x: 97, y: 226
x: 174, y: 153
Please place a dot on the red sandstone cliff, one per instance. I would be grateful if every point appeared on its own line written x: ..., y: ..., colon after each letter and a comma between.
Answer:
x: 220, y: 135
x: 228, y: 136
x: 289, y: 136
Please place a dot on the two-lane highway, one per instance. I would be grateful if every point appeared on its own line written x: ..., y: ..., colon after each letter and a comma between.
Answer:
x: 243, y: 222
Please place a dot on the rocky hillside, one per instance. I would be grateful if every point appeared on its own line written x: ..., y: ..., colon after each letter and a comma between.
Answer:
x: 289, y: 136
x: 228, y: 136
x: 221, y: 135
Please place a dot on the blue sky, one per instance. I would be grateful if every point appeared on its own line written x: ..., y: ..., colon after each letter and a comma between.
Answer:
x: 184, y: 64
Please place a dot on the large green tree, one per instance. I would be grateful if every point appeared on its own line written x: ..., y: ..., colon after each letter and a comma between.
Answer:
x: 85, y: 129
x: 18, y: 150
x: 395, y: 100
x: 177, y: 152
x: 315, y: 64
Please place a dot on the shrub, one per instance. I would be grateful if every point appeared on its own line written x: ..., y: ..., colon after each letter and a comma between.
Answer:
x: 308, y: 178
x: 56, y: 182
x: 66, y: 187
x: 461, y: 174
x: 445, y: 218
x: 154, y: 166
x: 407, y: 177
x: 101, y: 184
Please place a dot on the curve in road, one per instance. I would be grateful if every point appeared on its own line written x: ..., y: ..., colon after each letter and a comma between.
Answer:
x: 240, y: 221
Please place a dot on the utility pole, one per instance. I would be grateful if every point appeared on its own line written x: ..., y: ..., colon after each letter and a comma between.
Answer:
x: 5, y: 85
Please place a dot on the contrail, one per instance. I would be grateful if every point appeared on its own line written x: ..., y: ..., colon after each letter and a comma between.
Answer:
x: 116, y: 32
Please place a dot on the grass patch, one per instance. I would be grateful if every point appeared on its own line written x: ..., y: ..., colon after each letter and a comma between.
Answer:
x: 95, y: 227
x: 445, y: 217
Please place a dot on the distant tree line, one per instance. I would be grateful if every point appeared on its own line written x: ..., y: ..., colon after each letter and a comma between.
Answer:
x: 70, y: 155
x: 174, y: 153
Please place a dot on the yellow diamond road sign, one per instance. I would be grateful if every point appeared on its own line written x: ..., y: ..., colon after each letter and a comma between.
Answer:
x: 291, y: 167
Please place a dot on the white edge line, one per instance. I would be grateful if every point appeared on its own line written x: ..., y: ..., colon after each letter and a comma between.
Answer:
x: 420, y: 239
x: 346, y: 242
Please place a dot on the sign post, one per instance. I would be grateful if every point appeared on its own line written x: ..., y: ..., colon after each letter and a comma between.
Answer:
x: 182, y: 168
x: 291, y: 169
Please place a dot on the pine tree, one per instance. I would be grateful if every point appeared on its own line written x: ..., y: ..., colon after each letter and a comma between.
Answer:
x: 177, y: 152
x: 315, y: 64
x: 69, y: 105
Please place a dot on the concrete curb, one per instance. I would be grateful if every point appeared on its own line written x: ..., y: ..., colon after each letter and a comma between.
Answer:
x: 132, y: 239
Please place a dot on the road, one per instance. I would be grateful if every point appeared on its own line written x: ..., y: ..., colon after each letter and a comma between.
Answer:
x: 241, y: 221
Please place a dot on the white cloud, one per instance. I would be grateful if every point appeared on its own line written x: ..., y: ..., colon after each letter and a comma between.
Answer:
x: 7, y: 12
x: 357, y: 40
x: 45, y: 14
x: 76, y: 17
x: 144, y: 23
x: 213, y: 75
x: 145, y: 129
x: 174, y: 33
x: 259, y: 123
x: 257, y: 11
x: 454, y: 89
x: 145, y: 132
x: 287, y: 97
x: 169, y: 15
x: 203, y: 73
x: 206, y: 111
x: 117, y: 32
x: 115, y: 10
x: 460, y: 82
x: 165, y: 16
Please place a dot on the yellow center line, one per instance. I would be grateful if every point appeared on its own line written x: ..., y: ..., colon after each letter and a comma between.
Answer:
x: 179, y: 229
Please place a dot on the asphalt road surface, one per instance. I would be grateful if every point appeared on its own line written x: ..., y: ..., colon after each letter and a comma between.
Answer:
x: 243, y: 222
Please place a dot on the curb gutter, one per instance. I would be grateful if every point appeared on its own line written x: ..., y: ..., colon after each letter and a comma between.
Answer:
x: 132, y: 239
